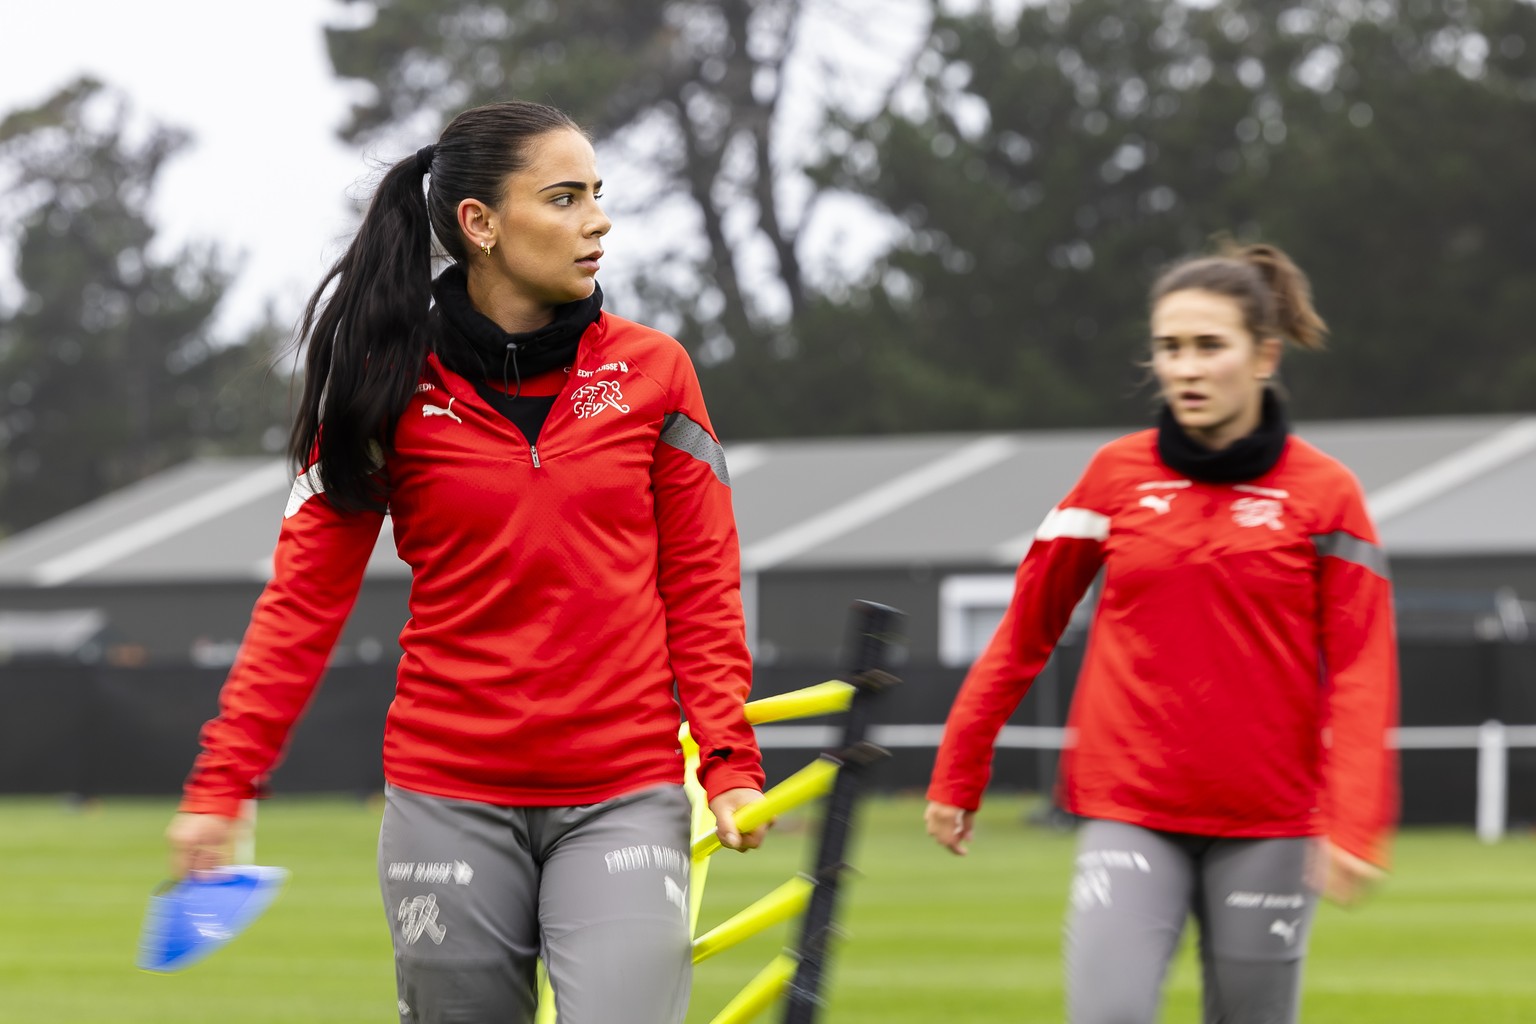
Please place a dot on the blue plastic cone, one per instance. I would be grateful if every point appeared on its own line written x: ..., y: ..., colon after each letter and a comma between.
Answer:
x: 189, y: 919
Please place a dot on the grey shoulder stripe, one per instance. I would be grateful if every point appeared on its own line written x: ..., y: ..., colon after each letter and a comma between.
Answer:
x: 685, y: 435
x: 1352, y: 549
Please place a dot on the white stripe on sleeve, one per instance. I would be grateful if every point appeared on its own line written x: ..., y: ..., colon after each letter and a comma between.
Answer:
x: 305, y: 487
x: 1073, y: 523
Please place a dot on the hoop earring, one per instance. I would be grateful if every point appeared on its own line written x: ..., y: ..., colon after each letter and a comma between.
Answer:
x: 485, y: 247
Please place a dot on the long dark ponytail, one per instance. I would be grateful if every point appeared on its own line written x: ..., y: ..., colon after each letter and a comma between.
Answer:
x: 366, y: 339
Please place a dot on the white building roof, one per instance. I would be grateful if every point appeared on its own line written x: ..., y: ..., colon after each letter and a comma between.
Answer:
x: 1437, y: 486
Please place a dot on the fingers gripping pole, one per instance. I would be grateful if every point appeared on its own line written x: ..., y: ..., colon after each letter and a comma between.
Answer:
x: 810, y: 782
x: 874, y: 625
x: 791, y: 898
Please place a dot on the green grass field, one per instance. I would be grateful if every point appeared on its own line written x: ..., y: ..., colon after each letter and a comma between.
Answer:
x: 929, y: 937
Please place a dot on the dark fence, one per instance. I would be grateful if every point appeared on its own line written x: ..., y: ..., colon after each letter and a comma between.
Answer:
x: 97, y: 731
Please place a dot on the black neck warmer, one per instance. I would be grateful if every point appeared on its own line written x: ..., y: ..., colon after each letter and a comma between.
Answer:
x: 1246, y: 458
x: 500, y: 354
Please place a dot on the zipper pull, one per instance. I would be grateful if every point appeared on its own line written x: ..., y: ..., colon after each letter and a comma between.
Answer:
x: 533, y: 450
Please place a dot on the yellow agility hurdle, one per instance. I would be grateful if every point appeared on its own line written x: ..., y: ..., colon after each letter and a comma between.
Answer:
x: 808, y: 896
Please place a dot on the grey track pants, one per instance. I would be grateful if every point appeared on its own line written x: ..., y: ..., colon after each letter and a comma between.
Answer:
x: 1134, y: 889
x: 474, y: 893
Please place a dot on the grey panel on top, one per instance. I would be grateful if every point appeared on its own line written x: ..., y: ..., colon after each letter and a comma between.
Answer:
x: 1493, y: 513
x: 688, y: 436
x: 1352, y: 549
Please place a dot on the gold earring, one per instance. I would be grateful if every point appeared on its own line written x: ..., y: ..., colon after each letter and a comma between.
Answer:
x: 485, y: 247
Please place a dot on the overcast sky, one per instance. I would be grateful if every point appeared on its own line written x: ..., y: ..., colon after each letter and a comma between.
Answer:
x: 265, y: 176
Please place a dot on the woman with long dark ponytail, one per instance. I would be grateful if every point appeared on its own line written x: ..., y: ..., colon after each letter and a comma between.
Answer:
x: 554, y: 483
x: 1230, y: 757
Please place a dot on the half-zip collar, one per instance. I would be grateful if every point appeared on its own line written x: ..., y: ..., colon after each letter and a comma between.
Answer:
x: 474, y: 346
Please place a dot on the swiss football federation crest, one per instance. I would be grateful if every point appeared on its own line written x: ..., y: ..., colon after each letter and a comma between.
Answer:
x: 1257, y: 512
x: 591, y: 399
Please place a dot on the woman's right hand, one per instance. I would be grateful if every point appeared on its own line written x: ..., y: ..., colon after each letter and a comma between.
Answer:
x: 201, y: 842
x: 950, y: 826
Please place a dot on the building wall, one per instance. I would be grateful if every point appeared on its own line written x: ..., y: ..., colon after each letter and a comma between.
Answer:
x: 801, y: 615
x: 202, y: 623
x: 104, y: 730
x: 1467, y: 573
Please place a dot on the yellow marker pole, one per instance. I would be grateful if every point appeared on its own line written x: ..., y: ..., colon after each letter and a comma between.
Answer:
x: 758, y: 993
x: 546, y: 1011
x: 822, y: 699
x: 813, y: 781
x: 810, y: 782
x: 826, y: 698
x: 783, y: 903
x: 703, y: 821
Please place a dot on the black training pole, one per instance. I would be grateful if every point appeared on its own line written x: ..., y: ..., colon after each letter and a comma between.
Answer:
x: 876, y: 642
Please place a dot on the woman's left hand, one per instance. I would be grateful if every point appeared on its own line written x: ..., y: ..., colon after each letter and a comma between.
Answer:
x: 724, y: 808
x: 1340, y: 876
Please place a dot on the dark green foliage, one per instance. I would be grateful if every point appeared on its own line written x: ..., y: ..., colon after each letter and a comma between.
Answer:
x: 107, y: 369
x: 1055, y: 163
x: 1041, y: 170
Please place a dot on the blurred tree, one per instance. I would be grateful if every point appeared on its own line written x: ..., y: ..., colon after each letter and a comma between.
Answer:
x: 1042, y: 161
x: 107, y: 369
x: 1410, y: 196
x: 1047, y: 163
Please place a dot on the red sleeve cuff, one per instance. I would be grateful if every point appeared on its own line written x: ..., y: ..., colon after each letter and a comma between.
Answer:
x: 228, y: 807
x: 727, y: 777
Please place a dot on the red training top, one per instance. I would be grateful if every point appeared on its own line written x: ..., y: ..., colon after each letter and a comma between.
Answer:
x: 558, y: 592
x: 1241, y: 671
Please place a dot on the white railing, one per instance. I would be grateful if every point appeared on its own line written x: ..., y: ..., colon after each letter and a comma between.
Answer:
x: 1492, y: 741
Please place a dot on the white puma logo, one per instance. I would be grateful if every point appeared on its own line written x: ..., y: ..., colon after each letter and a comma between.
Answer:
x: 1158, y: 503
x: 1285, y: 929
x: 441, y: 410
x: 676, y: 894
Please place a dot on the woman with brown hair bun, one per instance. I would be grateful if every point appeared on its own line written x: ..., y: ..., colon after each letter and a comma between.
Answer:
x: 1230, y: 752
